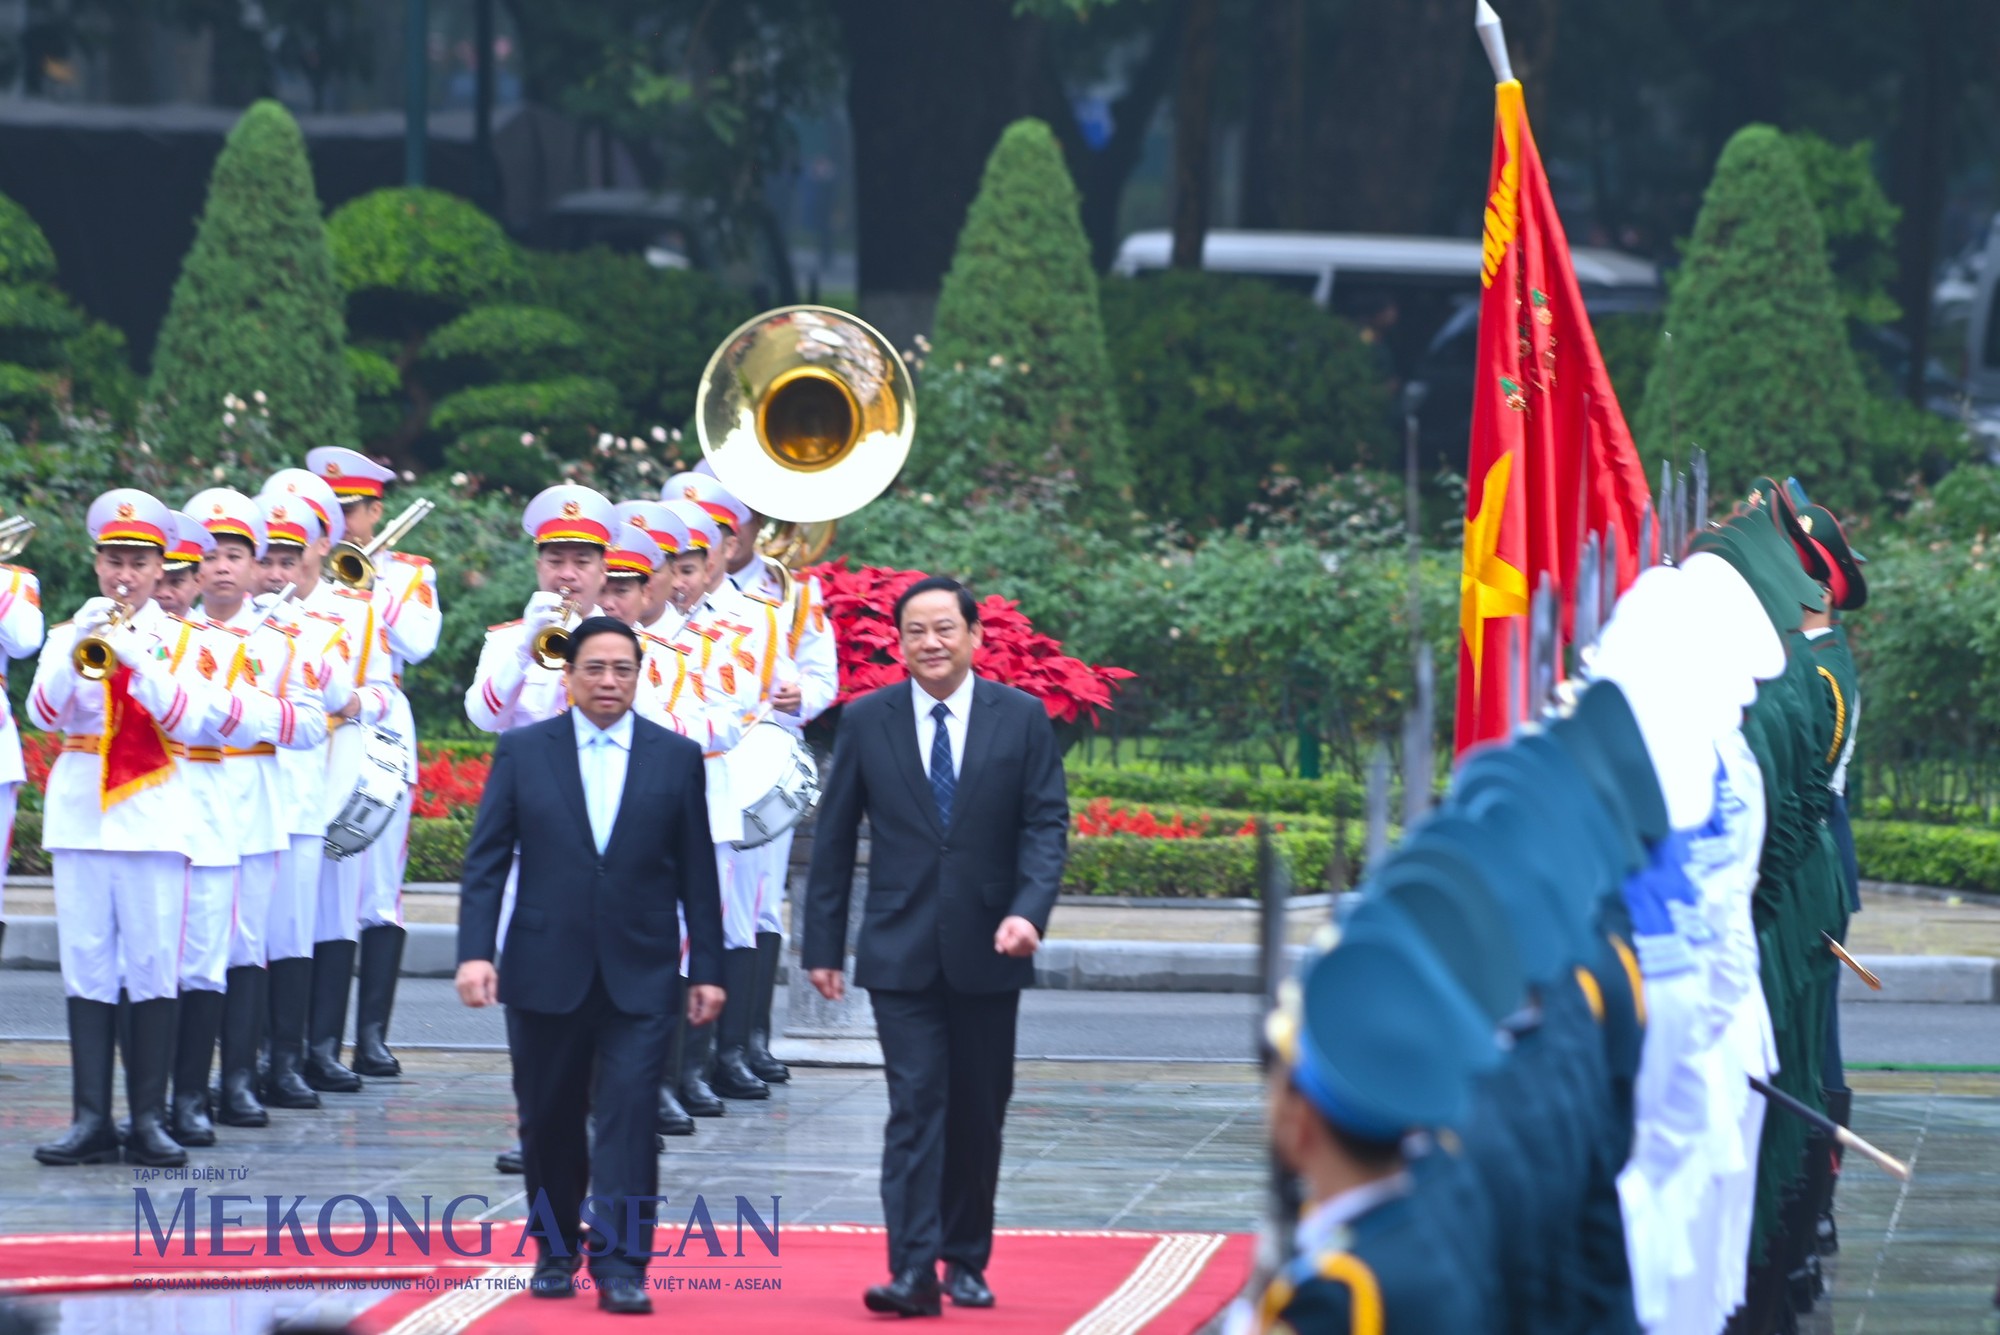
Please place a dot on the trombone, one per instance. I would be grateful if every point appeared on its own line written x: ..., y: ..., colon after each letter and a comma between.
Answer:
x: 354, y: 565
x: 92, y: 655
x: 14, y: 535
x: 552, y: 642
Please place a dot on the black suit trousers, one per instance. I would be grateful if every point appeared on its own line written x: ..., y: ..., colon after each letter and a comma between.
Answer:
x: 949, y: 1058
x: 595, y: 1063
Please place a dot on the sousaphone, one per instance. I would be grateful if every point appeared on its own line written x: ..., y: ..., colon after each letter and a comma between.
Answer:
x: 805, y: 414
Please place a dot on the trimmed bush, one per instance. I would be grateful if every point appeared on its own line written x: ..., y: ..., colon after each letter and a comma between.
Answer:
x: 374, y: 376
x: 25, y: 253
x: 411, y: 258
x: 502, y: 457
x: 437, y: 848
x: 1759, y: 374
x: 1021, y: 290
x: 502, y: 342
x: 1951, y: 857
x: 48, y: 348
x: 256, y: 306
x: 1222, y: 379
x: 1235, y: 793
x: 647, y: 330
x: 568, y: 411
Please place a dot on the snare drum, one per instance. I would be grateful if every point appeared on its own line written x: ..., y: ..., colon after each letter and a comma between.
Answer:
x: 366, y: 783
x: 774, y: 768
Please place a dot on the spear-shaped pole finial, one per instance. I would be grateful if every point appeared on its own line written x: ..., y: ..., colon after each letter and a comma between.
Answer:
x: 1487, y: 24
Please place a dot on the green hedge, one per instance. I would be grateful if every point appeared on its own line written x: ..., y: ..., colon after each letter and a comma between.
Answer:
x: 1335, y: 796
x: 1948, y: 857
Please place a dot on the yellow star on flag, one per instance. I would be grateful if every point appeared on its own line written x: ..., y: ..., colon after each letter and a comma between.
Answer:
x: 1487, y: 585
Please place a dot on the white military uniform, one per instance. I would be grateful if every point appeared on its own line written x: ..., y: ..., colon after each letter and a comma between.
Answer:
x: 20, y: 637
x: 343, y: 881
x: 120, y: 857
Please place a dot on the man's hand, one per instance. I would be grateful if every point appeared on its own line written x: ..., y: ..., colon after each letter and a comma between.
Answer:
x: 1017, y: 937
x: 130, y: 647
x: 828, y: 983
x: 478, y: 983
x: 786, y: 697
x: 705, y: 1003
x: 352, y: 709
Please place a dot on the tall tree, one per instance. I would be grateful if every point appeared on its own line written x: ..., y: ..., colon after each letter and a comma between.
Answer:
x: 1194, y: 132
x: 256, y: 308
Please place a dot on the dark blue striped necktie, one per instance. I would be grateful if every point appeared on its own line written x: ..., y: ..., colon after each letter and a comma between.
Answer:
x: 943, y: 781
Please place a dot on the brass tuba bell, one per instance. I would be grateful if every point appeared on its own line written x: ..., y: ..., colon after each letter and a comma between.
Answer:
x: 806, y: 414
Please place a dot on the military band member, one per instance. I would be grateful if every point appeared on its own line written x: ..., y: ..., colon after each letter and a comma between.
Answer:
x: 408, y: 617
x: 296, y: 542
x: 266, y: 659
x: 20, y: 637
x: 116, y: 830
x: 571, y: 528
x: 180, y: 579
x: 659, y: 616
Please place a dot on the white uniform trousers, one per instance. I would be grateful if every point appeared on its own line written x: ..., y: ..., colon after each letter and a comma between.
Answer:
x: 118, y: 919
x: 288, y: 931
x: 777, y: 866
x: 336, y: 916
x: 382, y: 865
x: 9, y: 795
x: 739, y: 870
x: 256, y: 882
x: 211, y: 907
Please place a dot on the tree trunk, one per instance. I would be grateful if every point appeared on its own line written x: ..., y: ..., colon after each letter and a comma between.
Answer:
x: 1274, y: 158
x: 1193, y: 99
x: 1384, y: 115
x: 1101, y: 174
x: 1930, y: 91
x: 929, y: 89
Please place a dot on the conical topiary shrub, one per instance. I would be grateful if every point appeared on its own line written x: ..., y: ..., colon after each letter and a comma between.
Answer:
x: 1759, y: 372
x: 256, y: 307
x: 1021, y: 293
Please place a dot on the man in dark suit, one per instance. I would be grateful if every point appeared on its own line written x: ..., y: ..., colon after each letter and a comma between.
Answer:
x: 962, y: 784
x: 610, y: 815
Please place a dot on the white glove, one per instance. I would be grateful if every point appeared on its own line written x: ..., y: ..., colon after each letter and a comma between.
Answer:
x: 92, y: 616
x: 134, y: 650
x: 283, y: 617
x: 543, y: 611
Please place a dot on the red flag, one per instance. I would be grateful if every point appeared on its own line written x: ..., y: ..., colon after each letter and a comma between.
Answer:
x: 132, y: 745
x: 1551, y: 456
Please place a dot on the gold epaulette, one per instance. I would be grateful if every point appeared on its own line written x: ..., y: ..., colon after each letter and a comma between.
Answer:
x: 503, y: 625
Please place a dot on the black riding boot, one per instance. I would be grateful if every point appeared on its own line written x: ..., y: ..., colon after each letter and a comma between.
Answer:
x: 1839, y: 1106
x: 148, y: 1060
x: 673, y: 1119
x: 733, y: 1079
x: 291, y: 1002
x: 381, y: 962
x: 757, y: 1055
x: 242, y: 1029
x: 91, y: 1138
x: 697, y: 1056
x: 332, y: 980
x: 200, y: 1023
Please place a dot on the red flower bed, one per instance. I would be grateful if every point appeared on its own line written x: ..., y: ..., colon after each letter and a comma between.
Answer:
x: 862, y: 605
x: 1101, y: 818
x: 447, y: 787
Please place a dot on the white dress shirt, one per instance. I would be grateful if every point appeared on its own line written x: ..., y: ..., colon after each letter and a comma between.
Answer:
x: 959, y: 702
x: 601, y: 757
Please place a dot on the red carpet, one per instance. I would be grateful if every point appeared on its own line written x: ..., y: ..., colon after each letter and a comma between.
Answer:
x: 1079, y: 1282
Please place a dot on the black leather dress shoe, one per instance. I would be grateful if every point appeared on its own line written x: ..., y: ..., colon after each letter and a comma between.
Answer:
x: 913, y: 1292
x: 553, y: 1277
x: 624, y: 1295
x: 508, y: 1161
x: 965, y: 1286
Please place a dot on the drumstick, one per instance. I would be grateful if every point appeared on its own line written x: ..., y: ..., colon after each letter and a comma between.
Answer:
x: 1889, y: 1163
x: 1851, y: 962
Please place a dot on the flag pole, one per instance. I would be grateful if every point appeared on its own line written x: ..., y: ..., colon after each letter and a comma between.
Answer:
x: 1487, y: 24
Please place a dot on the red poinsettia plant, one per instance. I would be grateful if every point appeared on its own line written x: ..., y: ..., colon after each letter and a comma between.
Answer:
x: 1100, y: 818
x: 862, y: 606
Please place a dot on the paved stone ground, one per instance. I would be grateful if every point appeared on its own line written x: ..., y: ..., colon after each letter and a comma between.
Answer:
x: 1126, y: 1144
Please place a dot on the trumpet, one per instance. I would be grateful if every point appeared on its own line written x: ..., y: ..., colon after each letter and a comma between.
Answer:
x: 552, y: 642
x: 354, y: 565
x: 14, y: 535
x: 92, y: 655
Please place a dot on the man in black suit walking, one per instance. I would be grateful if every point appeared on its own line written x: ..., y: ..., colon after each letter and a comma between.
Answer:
x: 610, y: 815
x: 962, y: 784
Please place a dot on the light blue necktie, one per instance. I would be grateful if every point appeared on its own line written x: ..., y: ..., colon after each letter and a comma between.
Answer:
x: 597, y: 798
x: 943, y: 782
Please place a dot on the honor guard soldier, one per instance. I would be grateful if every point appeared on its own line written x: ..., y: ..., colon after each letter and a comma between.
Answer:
x: 20, y: 637
x: 659, y: 617
x: 666, y: 692
x: 116, y: 828
x: 180, y: 580
x: 408, y: 616
x: 295, y: 542
x: 1376, y: 1045
x: 336, y: 916
x: 514, y: 683
x: 266, y: 658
